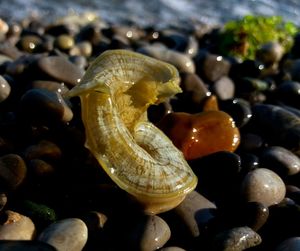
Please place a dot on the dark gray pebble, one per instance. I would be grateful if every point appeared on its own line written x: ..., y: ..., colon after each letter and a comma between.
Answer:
x: 12, y: 170
x: 278, y: 125
x: 195, y: 212
x: 289, y: 93
x: 250, y: 142
x: 45, y: 106
x: 236, y: 239
x: 60, y: 69
x: 280, y: 160
x: 50, y: 86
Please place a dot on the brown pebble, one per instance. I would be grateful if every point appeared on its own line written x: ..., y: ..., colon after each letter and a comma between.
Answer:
x: 44, y: 149
x: 4, y: 89
x: 12, y: 170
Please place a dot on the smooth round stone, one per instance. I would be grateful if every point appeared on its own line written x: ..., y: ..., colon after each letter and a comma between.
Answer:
x: 84, y: 49
x: 66, y: 234
x: 64, y: 42
x: 4, y: 89
x: 264, y: 186
x: 239, y: 109
x: 29, y: 43
x: 10, y: 51
x: 214, y: 67
x: 50, y: 86
x: 181, y: 61
x: 151, y: 233
x: 280, y: 160
x: 270, y: 53
x: 12, y: 170
x: 16, y: 227
x: 172, y: 249
x: 290, y: 244
x: 80, y: 61
x: 278, y: 125
x: 224, y: 88
x: 43, y: 149
x: 195, y: 212
x: 289, y: 93
x: 44, y: 105
x: 60, y: 69
x: 25, y: 246
x: 236, y: 239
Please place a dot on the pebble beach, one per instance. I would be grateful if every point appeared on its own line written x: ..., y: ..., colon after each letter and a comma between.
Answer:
x: 54, y: 195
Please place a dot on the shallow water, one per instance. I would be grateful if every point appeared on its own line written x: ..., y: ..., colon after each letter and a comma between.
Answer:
x: 154, y: 12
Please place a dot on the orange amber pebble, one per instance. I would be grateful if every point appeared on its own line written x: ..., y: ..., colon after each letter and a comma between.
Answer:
x: 197, y: 135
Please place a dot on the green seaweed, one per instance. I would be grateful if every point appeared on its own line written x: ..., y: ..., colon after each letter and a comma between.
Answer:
x: 242, y: 38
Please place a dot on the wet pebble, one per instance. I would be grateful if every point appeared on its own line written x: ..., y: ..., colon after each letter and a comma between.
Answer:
x: 224, y: 88
x: 29, y: 43
x: 236, y: 239
x: 195, y: 212
x: 264, y: 186
x: 270, y: 53
x: 66, y: 234
x: 50, y: 86
x: 46, y: 106
x: 289, y: 93
x: 250, y: 142
x: 15, y: 226
x: 57, y: 66
x: 151, y: 233
x: 280, y: 160
x: 64, y: 42
x: 12, y: 170
x: 290, y: 244
x: 4, y: 89
x: 214, y: 67
x: 172, y: 249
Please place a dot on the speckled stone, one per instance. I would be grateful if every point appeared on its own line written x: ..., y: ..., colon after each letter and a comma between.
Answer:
x: 195, y: 212
x: 66, y: 234
x: 12, y: 170
x: 57, y: 67
x: 16, y: 227
x: 264, y: 186
x: 290, y: 244
x: 280, y: 160
x: 4, y: 89
x: 150, y: 233
x: 236, y: 239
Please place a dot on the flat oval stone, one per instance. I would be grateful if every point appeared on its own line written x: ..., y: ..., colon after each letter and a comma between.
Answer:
x: 66, y: 234
x: 4, y: 89
x: 50, y: 86
x: 16, y: 227
x: 290, y: 244
x: 264, y: 186
x: 195, y: 212
x: 25, y: 246
x: 44, y: 105
x: 224, y: 88
x: 64, y: 42
x: 60, y: 69
x: 280, y: 160
x: 12, y: 170
x: 150, y: 233
x: 236, y: 239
